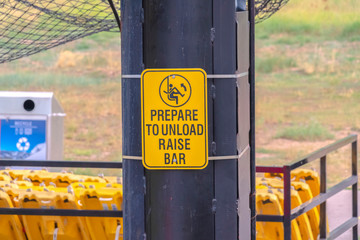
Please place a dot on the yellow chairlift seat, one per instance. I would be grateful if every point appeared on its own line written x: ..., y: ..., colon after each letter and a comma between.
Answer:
x: 102, y: 199
x: 11, y: 184
x: 10, y: 225
x: 40, y: 178
x: 5, y: 177
x: 65, y: 179
x: 113, y: 179
x: 14, y: 194
x: 268, y: 203
x: 311, y: 177
x: 17, y: 174
x: 52, y: 227
x: 95, y: 185
x: 302, y: 220
x: 305, y: 194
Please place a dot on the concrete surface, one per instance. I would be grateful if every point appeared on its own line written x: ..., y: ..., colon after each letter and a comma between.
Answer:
x: 339, y: 209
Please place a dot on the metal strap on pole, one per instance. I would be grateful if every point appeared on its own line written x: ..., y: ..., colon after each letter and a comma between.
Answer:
x: 212, y: 76
x: 213, y: 158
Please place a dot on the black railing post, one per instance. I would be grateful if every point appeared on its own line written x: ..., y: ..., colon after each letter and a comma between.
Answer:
x: 323, y: 225
x: 287, y: 203
x: 325, y: 193
x: 354, y: 188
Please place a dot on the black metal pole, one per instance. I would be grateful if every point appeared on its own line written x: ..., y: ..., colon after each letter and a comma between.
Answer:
x: 225, y: 121
x: 177, y: 34
x: 133, y: 171
x: 251, y: 8
x: 182, y: 205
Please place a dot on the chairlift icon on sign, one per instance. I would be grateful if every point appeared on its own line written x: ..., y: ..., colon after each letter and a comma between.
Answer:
x: 175, y: 90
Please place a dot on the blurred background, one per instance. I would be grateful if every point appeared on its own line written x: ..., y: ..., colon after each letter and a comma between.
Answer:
x: 307, y: 84
x: 85, y: 77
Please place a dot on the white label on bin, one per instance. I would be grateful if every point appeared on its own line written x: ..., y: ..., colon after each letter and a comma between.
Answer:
x: 23, y: 139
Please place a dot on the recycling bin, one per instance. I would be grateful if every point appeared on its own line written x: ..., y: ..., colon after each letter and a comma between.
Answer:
x: 31, y: 126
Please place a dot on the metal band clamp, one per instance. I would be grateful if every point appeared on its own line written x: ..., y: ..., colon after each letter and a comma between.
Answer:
x: 213, y: 158
x: 212, y: 76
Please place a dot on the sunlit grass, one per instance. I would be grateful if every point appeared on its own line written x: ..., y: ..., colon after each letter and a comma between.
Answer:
x: 274, y: 63
x: 309, y: 132
x: 24, y: 80
x: 318, y: 18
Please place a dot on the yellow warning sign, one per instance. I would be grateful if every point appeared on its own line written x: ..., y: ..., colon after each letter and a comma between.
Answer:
x: 174, y: 118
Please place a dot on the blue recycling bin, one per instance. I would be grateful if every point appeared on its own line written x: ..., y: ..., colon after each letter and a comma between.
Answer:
x: 31, y: 126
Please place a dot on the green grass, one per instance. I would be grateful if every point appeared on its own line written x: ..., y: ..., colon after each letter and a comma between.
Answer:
x: 310, y: 132
x: 45, y: 80
x: 266, y: 151
x: 352, y: 31
x: 319, y: 20
x: 105, y: 40
x: 84, y: 171
x: 84, y: 152
x: 274, y: 63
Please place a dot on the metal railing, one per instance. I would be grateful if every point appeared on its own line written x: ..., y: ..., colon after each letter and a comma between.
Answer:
x: 60, y: 212
x: 291, y: 214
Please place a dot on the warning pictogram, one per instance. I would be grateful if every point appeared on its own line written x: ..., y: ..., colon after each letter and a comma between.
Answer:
x: 174, y: 118
x: 175, y: 90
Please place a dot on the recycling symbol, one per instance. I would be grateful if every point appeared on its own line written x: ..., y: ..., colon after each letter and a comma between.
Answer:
x: 23, y: 144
